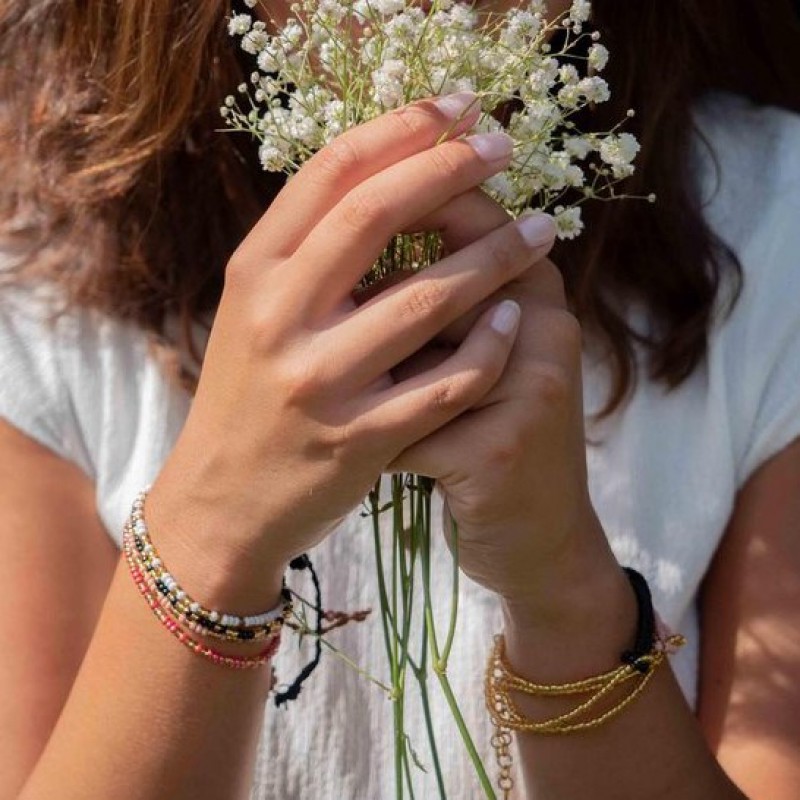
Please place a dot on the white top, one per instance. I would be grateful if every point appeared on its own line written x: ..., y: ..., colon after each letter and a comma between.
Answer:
x: 663, y: 480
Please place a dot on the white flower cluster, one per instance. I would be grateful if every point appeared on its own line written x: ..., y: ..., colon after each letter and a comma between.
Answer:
x: 339, y: 63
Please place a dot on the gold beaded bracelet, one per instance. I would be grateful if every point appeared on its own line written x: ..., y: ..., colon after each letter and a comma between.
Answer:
x: 181, y: 614
x: 222, y: 659
x: 206, y: 622
x: 654, y: 642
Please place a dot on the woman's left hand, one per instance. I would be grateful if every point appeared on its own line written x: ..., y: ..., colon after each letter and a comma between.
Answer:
x: 513, y: 469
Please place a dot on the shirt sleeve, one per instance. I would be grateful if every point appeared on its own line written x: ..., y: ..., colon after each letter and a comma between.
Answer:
x: 763, y: 347
x: 33, y: 397
x: 751, y: 193
x: 774, y: 375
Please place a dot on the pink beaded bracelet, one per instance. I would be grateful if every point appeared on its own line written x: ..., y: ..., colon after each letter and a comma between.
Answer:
x: 208, y: 623
x: 234, y: 662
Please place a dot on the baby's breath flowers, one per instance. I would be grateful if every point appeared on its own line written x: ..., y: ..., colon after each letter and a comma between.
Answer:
x: 336, y: 64
x: 339, y: 63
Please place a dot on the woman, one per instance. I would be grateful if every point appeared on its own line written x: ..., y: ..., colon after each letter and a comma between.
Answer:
x: 120, y: 203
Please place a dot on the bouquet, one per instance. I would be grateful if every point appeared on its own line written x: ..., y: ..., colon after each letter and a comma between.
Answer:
x: 336, y: 64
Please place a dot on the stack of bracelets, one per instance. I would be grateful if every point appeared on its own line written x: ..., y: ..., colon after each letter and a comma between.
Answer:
x: 653, y: 643
x: 180, y: 614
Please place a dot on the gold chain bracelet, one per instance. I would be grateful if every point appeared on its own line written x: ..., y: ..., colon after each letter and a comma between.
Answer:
x: 654, y: 642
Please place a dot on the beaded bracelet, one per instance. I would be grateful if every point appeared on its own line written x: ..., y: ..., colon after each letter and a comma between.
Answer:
x: 156, y: 595
x: 652, y: 644
x: 234, y: 662
x: 186, y: 611
x: 206, y: 622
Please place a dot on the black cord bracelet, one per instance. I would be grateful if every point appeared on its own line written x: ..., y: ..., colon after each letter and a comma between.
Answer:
x: 303, y: 562
x: 645, y: 625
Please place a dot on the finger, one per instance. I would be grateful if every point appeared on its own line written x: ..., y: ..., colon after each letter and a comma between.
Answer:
x: 466, y: 219
x: 432, y: 455
x: 348, y: 241
x: 350, y: 159
x: 539, y: 387
x: 463, y: 220
x: 365, y: 294
x: 388, y: 329
x: 411, y: 410
x: 545, y: 367
x: 459, y: 223
x: 540, y: 286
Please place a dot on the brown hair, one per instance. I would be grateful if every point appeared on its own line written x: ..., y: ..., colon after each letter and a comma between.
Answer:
x: 118, y: 187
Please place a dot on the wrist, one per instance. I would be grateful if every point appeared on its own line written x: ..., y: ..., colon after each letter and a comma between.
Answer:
x: 195, y: 544
x: 578, y: 619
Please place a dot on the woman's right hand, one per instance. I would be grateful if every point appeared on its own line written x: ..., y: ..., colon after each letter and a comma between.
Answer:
x: 296, y: 414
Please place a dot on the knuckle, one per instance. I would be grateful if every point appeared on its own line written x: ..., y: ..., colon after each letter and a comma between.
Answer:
x: 301, y: 381
x: 334, y: 443
x: 505, y: 253
x: 337, y: 159
x: 412, y: 121
x: 448, y: 396
x: 238, y: 272
x: 423, y: 300
x: 551, y: 385
x: 364, y: 209
x: 445, y: 161
x: 504, y: 450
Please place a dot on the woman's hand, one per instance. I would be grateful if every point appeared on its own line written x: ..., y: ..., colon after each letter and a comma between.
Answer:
x: 295, y: 414
x: 513, y: 468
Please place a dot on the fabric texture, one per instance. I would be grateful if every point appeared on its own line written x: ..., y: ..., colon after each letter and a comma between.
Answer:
x: 663, y: 473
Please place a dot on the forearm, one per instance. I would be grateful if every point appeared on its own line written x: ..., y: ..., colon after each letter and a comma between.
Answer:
x: 149, y: 719
x: 654, y: 748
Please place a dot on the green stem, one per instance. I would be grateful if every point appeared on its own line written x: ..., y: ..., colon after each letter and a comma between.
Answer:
x: 440, y: 668
x: 448, y: 646
x: 421, y: 670
x: 352, y: 664
x: 407, y: 768
x: 485, y: 782
x: 399, y: 745
x: 397, y: 676
x: 421, y: 675
x: 383, y: 595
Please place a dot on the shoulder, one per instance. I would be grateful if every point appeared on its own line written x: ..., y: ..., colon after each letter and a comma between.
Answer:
x: 75, y: 380
x: 749, y: 168
x: 747, y: 162
x: 32, y: 391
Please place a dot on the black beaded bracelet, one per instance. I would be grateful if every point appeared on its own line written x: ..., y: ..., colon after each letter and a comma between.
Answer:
x: 645, y: 626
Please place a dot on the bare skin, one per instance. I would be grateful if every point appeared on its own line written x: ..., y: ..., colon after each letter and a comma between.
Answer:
x: 100, y: 675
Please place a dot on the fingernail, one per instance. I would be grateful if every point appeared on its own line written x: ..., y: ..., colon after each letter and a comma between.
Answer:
x: 454, y: 105
x: 491, y: 146
x: 536, y: 228
x: 506, y: 317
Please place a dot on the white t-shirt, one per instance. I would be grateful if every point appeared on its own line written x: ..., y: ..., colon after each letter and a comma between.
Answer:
x: 663, y: 479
